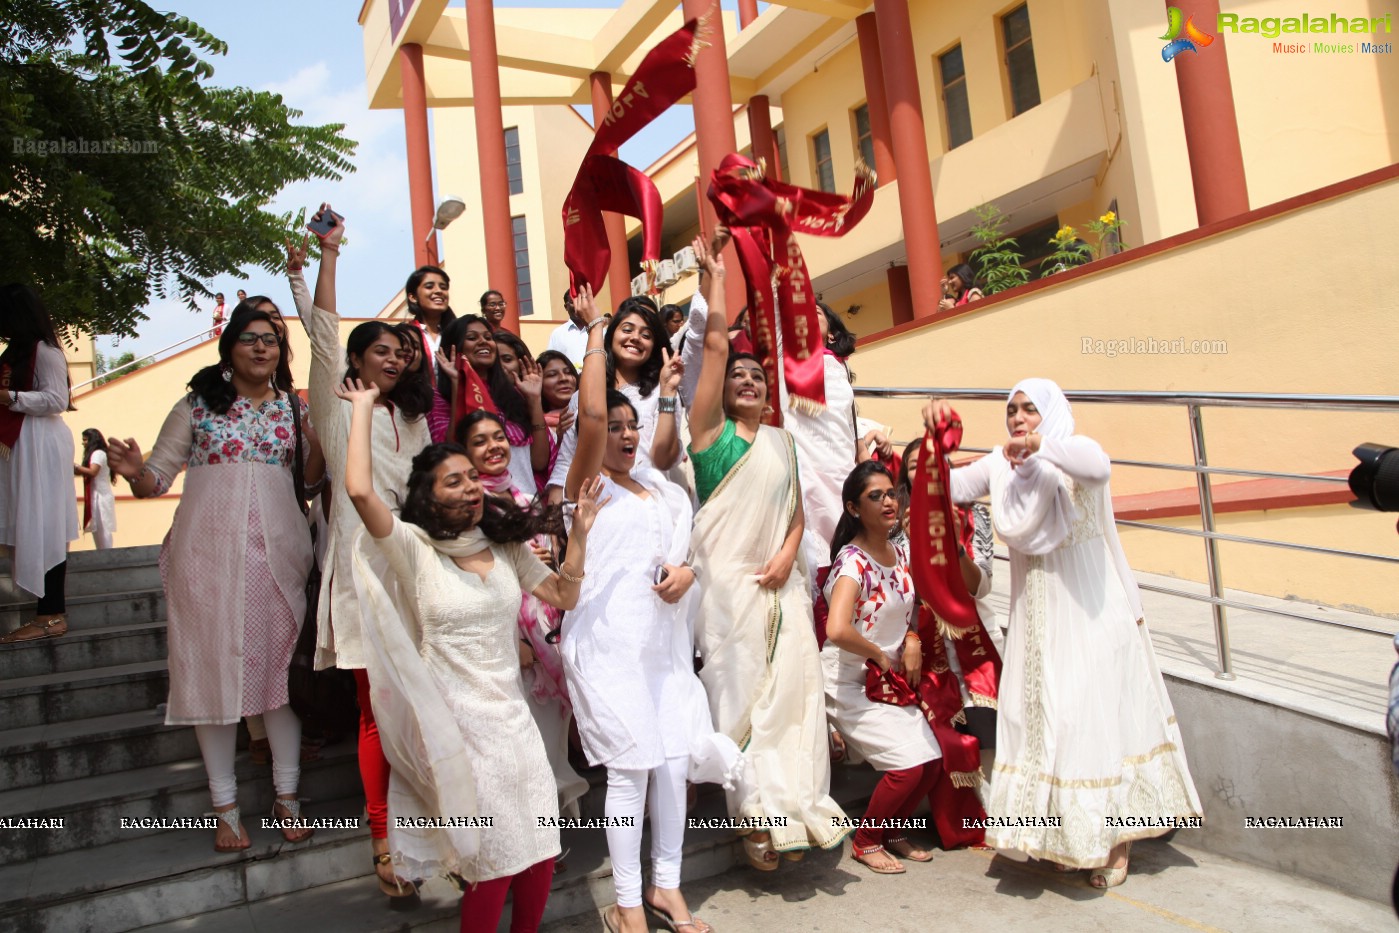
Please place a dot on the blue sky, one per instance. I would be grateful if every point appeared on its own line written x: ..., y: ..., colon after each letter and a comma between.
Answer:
x: 312, y: 54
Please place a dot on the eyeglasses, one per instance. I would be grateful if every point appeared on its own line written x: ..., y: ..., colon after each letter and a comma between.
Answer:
x: 268, y: 340
x: 879, y: 495
x: 495, y: 304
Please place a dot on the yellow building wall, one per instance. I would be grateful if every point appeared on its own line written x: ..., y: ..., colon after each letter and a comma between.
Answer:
x: 1253, y: 289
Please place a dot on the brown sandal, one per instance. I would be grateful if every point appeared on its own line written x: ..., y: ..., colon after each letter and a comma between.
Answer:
x: 908, y: 849
x: 859, y: 854
x: 399, y: 887
x: 35, y: 630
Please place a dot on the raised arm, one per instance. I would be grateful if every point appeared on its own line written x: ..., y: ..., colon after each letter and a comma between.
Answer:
x: 707, y: 405
x: 330, y: 255
x: 530, y: 385
x: 560, y: 589
x: 1080, y: 457
x: 359, y: 458
x: 592, y: 399
x: 153, y: 476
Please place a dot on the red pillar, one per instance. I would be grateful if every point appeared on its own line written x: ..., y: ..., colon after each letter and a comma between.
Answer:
x: 714, y: 132
x: 618, y: 269
x: 900, y: 294
x: 875, y: 98
x: 490, y: 155
x: 760, y: 128
x: 1211, y: 128
x: 410, y: 61
x: 910, y: 154
x: 747, y: 12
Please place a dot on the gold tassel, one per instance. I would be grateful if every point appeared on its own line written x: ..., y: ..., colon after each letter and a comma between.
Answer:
x: 4, y: 451
x: 699, y: 41
x: 971, y: 779
x: 949, y: 630
x: 960, y: 719
x: 985, y: 702
x: 805, y: 405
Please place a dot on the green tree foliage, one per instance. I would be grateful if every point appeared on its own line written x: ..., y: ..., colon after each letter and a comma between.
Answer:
x: 125, y: 176
x: 998, y: 258
x: 121, y: 361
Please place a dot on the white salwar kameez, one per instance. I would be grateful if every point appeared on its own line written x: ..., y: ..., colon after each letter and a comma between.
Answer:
x: 38, y: 507
x: 1085, y: 729
x: 104, y: 503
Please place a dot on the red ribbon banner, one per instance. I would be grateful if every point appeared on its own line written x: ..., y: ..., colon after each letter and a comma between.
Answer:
x: 764, y: 217
x: 606, y: 183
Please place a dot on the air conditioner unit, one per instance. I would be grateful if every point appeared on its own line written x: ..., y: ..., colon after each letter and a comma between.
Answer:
x: 639, y: 285
x: 685, y: 262
x: 666, y: 276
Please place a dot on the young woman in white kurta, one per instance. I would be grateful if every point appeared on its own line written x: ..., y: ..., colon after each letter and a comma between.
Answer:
x: 101, y: 504
x: 440, y: 635
x: 38, y: 511
x: 1085, y: 730
x: 629, y: 649
x: 872, y: 601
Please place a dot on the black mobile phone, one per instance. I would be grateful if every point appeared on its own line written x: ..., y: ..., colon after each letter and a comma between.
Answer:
x: 324, y: 221
x: 660, y: 575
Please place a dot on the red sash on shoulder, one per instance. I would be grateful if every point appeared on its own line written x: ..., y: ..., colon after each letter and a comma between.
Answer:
x: 10, y: 420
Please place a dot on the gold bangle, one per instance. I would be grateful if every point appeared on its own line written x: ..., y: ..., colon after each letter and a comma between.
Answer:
x: 568, y: 577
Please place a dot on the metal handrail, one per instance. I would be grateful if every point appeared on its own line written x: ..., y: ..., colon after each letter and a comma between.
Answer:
x: 201, y: 335
x: 1193, y: 403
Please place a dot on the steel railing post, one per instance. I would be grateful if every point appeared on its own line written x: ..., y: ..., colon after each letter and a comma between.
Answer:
x: 1202, y: 482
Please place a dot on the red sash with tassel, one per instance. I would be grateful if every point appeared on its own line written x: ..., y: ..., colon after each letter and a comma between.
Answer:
x: 472, y: 394
x: 606, y: 183
x: 10, y: 420
x: 765, y: 217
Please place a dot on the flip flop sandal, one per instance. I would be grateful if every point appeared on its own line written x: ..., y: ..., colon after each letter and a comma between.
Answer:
x: 858, y: 854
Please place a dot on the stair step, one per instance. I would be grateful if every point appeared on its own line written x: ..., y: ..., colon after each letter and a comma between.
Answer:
x: 95, y: 572
x: 66, y: 751
x: 84, y: 649
x: 356, y: 906
x: 50, y: 698
x: 82, y: 561
x: 93, y: 807
x: 159, y: 878
x: 127, y: 607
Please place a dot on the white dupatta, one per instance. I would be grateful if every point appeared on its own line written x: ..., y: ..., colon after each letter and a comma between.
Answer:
x: 1033, y: 511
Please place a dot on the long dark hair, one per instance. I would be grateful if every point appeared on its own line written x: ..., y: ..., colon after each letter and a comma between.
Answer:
x: 966, y: 275
x: 549, y: 356
x: 506, y: 397
x: 283, y: 378
x: 412, y: 396
x: 208, y: 384
x: 415, y: 279
x: 849, y: 525
x: 25, y: 323
x: 650, y: 375
x: 514, y: 343
x: 502, y: 521
x: 464, y: 426
x: 839, y: 339
x: 93, y: 440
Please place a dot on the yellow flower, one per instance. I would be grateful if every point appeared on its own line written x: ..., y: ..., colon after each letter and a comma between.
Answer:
x: 1065, y: 232
x: 1108, y: 218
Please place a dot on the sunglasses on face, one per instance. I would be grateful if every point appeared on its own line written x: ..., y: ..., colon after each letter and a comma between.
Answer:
x: 879, y: 495
x: 268, y: 340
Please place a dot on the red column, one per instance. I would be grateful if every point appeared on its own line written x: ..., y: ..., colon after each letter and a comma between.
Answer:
x: 490, y: 155
x: 900, y: 294
x: 714, y: 132
x: 618, y: 269
x: 747, y: 12
x: 760, y: 128
x: 878, y: 102
x: 910, y: 154
x: 1211, y: 128
x: 410, y: 62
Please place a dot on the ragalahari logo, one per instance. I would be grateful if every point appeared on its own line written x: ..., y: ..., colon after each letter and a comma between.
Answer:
x: 1176, y: 22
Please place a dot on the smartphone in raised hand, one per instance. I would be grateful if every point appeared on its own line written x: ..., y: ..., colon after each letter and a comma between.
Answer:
x: 322, y: 222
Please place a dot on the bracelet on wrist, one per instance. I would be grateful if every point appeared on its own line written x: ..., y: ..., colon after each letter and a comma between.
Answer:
x: 569, y: 577
x: 601, y: 319
x: 539, y: 427
x: 666, y: 404
x: 592, y: 351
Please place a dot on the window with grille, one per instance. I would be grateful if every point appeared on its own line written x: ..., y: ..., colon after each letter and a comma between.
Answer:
x: 957, y: 114
x: 513, y: 170
x: 821, y: 153
x: 864, y: 136
x: 1020, y: 60
x: 525, y: 293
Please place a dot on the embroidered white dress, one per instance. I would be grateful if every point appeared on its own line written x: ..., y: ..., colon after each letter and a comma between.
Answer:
x: 396, y: 442
x: 104, y: 503
x: 889, y: 737
x: 825, y: 456
x: 38, y: 507
x: 1085, y: 729
x: 456, y: 727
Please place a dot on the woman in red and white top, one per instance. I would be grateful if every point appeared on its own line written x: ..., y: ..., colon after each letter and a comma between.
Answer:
x: 871, y: 598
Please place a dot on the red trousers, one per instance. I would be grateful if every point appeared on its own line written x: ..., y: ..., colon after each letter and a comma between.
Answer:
x: 483, y: 903
x: 895, y: 797
x: 373, y: 764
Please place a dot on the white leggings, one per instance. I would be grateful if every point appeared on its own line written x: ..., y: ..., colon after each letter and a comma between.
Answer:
x: 626, y: 796
x: 219, y: 742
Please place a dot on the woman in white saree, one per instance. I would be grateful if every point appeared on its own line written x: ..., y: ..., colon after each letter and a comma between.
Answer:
x: 1085, y: 730
x: 762, y: 669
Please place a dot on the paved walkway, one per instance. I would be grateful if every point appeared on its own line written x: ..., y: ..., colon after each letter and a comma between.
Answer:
x: 1171, y: 888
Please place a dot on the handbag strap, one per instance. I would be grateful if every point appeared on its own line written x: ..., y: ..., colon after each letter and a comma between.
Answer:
x: 298, y: 468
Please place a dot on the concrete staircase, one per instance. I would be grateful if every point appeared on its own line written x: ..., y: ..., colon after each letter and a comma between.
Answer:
x: 83, y: 740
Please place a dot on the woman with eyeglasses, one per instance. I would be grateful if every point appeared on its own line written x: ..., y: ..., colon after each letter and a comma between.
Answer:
x: 376, y: 352
x: 236, y: 559
x: 493, y: 309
